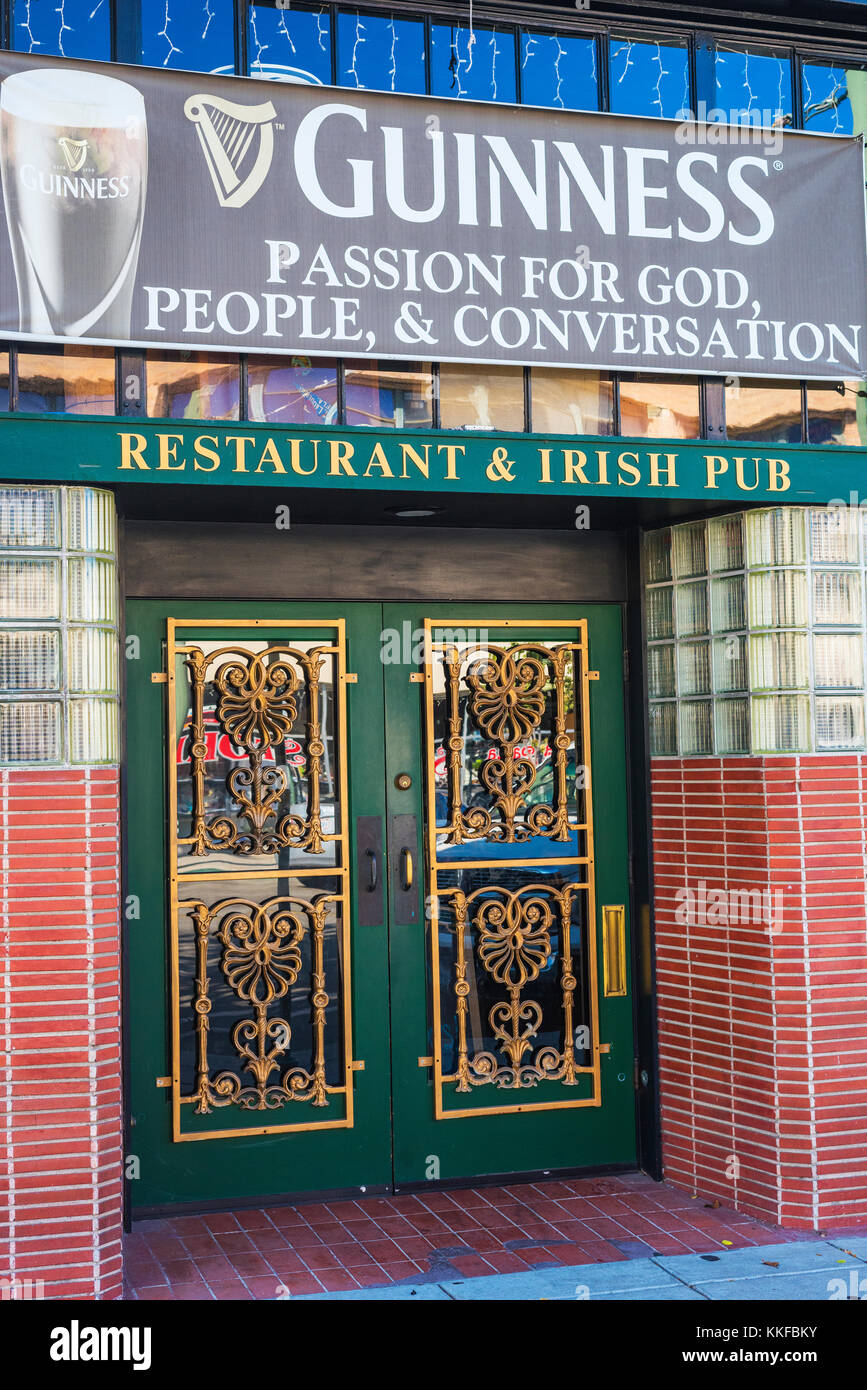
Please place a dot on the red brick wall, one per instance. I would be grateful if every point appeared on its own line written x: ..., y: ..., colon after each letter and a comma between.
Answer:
x: 60, y: 1010
x: 763, y: 1029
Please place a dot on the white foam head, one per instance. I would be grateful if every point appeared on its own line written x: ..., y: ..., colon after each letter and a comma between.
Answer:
x: 71, y: 97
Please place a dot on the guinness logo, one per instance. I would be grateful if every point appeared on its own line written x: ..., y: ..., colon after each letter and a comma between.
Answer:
x: 238, y: 142
x: 74, y: 152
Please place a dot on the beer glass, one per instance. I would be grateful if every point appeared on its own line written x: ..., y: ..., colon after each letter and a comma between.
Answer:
x: 73, y: 154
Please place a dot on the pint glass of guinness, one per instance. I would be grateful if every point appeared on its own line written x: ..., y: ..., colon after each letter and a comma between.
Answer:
x: 73, y: 152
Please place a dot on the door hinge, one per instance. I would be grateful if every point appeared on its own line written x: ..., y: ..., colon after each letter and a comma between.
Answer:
x: 159, y: 677
x: 357, y: 1066
x: 417, y: 678
x: 593, y: 675
x: 425, y: 1061
x: 351, y: 678
x: 605, y: 1048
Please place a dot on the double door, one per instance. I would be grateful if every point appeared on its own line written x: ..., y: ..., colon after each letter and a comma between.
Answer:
x: 377, y: 899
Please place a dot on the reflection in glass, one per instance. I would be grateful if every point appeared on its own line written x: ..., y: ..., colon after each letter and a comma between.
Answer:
x: 648, y: 79
x: 4, y: 380
x: 475, y: 63
x: 755, y: 82
x: 571, y: 402
x: 379, y: 53
x: 764, y: 410
x: 394, y: 395
x: 659, y: 407
x: 279, y: 913
x: 831, y: 94
x: 507, y: 935
x: 192, y: 386
x: 235, y: 784
x: 69, y: 380
x: 288, y: 43
x: 510, y: 793
x: 292, y: 390
x: 559, y: 70
x: 481, y: 397
x: 197, y: 35
x: 837, y: 412
x: 66, y: 28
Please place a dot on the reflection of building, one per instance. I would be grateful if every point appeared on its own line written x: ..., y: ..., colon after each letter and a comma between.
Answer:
x: 742, y: 606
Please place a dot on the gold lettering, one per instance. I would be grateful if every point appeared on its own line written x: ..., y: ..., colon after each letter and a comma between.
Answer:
x: 341, y: 452
x: 602, y: 455
x: 212, y: 454
x: 545, y: 460
x: 716, y: 466
x: 574, y: 472
x: 240, y: 442
x: 295, y: 457
x: 422, y: 464
x: 379, y: 459
x: 451, y: 453
x: 270, y: 454
x: 778, y: 475
x: 739, y: 474
x: 668, y: 470
x: 169, y: 452
x: 132, y: 447
x: 622, y: 462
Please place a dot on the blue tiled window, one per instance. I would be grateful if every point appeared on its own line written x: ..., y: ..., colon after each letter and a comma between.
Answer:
x: 557, y: 70
x: 195, y: 34
x: 69, y: 28
x: 386, y: 54
x: 479, y: 64
x: 289, y: 44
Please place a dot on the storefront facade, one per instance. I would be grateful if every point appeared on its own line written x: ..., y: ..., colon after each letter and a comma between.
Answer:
x: 420, y: 771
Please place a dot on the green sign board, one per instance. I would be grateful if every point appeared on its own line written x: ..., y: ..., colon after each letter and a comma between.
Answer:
x: 114, y: 451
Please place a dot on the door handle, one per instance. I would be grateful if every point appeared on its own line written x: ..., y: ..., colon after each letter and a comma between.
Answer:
x: 403, y: 832
x: 406, y: 869
x: 374, y: 871
x: 370, y: 899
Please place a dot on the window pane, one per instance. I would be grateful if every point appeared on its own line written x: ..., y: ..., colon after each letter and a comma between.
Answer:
x: 837, y: 412
x: 767, y: 410
x: 477, y: 63
x: 289, y: 45
x: 828, y: 93
x: 192, y: 386
x: 198, y: 34
x: 384, y: 54
x: 756, y: 81
x: 559, y: 71
x: 648, y: 79
x: 292, y: 390
x: 4, y: 380
x: 73, y: 381
x: 659, y: 407
x: 571, y: 402
x: 389, y: 394
x: 481, y: 398
x: 71, y: 28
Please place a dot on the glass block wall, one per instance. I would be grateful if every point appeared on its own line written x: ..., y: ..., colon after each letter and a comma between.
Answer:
x: 755, y: 632
x: 58, y: 626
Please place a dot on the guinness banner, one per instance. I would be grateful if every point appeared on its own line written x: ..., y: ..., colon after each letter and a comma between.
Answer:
x: 182, y: 210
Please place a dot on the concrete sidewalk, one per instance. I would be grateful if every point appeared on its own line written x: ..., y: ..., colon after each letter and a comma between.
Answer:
x: 799, y: 1271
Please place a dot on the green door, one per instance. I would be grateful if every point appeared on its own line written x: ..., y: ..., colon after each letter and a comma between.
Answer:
x: 377, y: 899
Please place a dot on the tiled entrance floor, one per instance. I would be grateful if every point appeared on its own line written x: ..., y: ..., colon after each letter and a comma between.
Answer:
x: 427, y: 1238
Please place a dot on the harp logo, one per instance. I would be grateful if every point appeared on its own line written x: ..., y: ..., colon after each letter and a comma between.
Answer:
x: 74, y: 152
x: 238, y: 144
